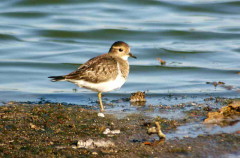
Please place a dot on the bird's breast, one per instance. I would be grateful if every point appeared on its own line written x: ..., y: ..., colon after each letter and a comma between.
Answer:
x: 123, y: 68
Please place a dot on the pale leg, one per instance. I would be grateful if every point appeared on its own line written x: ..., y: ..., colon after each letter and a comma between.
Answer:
x: 100, y: 101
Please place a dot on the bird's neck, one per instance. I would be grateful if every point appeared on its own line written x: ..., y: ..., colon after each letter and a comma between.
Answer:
x: 125, y: 57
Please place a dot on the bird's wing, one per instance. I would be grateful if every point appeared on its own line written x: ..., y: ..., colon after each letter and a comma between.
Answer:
x: 98, y: 69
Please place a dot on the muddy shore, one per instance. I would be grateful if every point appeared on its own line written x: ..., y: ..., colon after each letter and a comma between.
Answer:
x: 47, y: 129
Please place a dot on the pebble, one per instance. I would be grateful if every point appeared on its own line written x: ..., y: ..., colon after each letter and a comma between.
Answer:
x: 108, y: 131
x: 91, y: 144
x: 101, y: 114
x: 138, y: 97
x: 94, y: 153
x: 85, y: 144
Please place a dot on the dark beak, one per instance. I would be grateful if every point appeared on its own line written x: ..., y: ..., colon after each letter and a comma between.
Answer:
x: 131, y: 55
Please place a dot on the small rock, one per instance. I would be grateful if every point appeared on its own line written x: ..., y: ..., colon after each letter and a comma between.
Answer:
x: 214, y: 117
x: 103, y: 143
x: 101, y: 114
x: 235, y: 104
x: 108, y: 131
x: 138, y: 97
x: 117, y: 131
x: 35, y: 127
x: 90, y: 144
x: 85, y: 144
x: 193, y: 104
x: 229, y: 112
x: 94, y: 153
x: 74, y: 146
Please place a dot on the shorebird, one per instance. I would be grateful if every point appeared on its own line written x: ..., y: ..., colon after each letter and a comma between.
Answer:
x: 103, y: 73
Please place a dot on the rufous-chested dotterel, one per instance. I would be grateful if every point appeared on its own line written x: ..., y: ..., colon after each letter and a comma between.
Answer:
x: 103, y: 73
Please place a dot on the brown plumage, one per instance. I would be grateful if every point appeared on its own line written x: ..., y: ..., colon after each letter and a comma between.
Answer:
x: 96, y: 70
x: 102, y: 73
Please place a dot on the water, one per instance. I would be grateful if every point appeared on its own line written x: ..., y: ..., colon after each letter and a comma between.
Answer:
x: 199, y: 40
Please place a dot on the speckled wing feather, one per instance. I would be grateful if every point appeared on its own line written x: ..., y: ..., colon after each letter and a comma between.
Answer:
x: 96, y: 70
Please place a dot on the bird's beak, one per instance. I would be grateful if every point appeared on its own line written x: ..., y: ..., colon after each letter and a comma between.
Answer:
x: 131, y: 55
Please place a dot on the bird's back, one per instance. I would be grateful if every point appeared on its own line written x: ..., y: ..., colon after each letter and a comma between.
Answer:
x: 100, y: 69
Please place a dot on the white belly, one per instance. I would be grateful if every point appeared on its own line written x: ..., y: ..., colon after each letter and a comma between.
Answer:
x: 103, y: 86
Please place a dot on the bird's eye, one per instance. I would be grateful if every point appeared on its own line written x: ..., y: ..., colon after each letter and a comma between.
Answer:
x: 120, y: 50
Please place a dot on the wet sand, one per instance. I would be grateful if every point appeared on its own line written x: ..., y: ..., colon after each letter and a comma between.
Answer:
x: 47, y: 129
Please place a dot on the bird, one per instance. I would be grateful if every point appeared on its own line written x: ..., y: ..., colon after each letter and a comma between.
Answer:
x: 103, y: 73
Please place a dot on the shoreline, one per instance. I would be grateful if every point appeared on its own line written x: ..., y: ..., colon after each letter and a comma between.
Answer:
x: 53, y: 129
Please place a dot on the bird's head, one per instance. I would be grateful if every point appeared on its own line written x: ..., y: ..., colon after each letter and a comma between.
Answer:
x: 121, y: 49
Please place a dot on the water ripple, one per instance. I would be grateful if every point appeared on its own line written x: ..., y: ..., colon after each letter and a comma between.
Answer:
x: 199, y: 40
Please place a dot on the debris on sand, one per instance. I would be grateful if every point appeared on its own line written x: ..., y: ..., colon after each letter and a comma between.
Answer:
x: 33, y: 126
x: 111, y: 132
x: 156, y: 130
x: 230, y: 112
x: 101, y: 114
x: 33, y: 129
x: 138, y: 97
x: 162, y: 62
x: 91, y: 144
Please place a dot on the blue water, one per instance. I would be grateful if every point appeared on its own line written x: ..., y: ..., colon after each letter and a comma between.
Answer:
x: 199, y: 40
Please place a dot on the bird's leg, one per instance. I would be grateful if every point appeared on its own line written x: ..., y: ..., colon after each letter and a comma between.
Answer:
x: 100, y: 101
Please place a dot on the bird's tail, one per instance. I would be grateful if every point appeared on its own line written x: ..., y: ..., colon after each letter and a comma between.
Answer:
x: 57, y: 78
